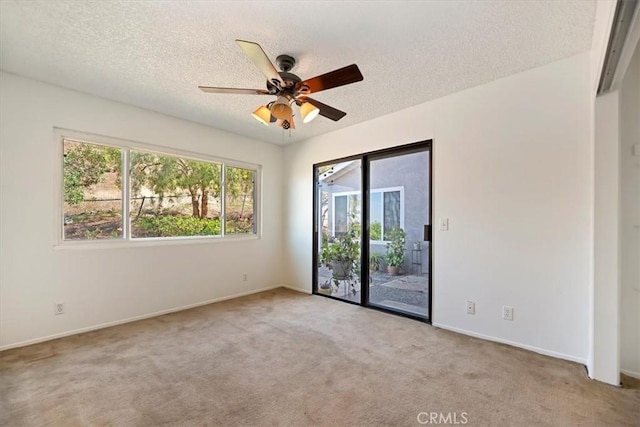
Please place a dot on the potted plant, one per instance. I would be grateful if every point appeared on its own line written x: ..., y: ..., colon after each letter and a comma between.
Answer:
x: 375, y: 261
x: 325, y: 288
x: 341, y: 255
x: 395, y: 250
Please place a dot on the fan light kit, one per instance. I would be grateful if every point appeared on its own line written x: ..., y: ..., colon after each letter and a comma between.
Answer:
x: 290, y: 89
x: 308, y: 112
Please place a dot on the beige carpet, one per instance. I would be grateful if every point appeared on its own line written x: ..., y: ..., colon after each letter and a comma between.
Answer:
x: 289, y: 359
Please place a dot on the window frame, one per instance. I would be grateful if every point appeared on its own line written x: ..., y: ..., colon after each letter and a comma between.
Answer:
x: 60, y: 135
x: 381, y: 191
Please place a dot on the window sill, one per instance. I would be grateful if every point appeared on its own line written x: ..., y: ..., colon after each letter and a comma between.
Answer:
x: 146, y: 242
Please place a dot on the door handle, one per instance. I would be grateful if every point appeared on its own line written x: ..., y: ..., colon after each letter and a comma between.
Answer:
x: 427, y: 233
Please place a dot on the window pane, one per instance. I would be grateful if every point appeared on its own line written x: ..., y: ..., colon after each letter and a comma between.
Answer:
x: 92, y: 195
x: 354, y: 213
x: 338, y: 244
x: 173, y: 197
x: 354, y: 207
x: 239, y: 201
x: 391, y: 211
x: 375, y: 216
x: 341, y: 215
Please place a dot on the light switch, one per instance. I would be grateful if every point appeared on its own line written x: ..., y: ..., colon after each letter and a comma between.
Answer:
x: 444, y: 224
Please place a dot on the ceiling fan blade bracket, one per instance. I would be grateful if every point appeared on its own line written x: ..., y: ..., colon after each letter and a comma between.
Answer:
x: 303, y: 90
x: 276, y: 83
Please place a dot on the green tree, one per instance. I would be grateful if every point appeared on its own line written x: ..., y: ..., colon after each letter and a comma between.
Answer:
x: 240, y: 184
x: 201, y: 179
x: 375, y: 231
x: 84, y: 166
x: 153, y: 171
x: 164, y: 174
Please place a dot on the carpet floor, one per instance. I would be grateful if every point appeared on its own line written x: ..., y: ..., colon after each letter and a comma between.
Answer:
x: 282, y: 358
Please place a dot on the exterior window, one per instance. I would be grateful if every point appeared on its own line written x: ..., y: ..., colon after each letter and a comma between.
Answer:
x: 239, y: 201
x: 92, y: 206
x: 167, y: 195
x: 386, y: 212
x: 391, y: 208
x: 173, y: 197
x: 341, y: 215
x: 346, y: 212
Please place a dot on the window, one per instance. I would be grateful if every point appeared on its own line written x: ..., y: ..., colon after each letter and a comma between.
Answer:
x: 239, y: 200
x: 92, y: 195
x: 162, y: 196
x: 172, y: 196
x: 346, y: 211
x: 386, y: 211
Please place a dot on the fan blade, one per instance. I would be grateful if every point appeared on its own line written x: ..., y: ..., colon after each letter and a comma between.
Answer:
x: 325, y: 110
x: 343, y: 76
x: 209, y: 89
x: 255, y: 53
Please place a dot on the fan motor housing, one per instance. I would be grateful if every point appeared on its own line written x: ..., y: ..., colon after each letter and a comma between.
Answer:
x: 285, y: 62
x: 289, y: 79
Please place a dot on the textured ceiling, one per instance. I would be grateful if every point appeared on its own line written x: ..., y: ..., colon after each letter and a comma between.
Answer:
x: 154, y: 54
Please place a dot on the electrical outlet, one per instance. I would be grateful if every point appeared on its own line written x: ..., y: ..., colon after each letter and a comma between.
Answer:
x: 507, y: 312
x: 58, y: 308
x: 244, y: 277
x: 471, y: 307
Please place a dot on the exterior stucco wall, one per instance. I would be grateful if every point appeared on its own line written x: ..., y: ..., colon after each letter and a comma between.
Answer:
x: 411, y: 172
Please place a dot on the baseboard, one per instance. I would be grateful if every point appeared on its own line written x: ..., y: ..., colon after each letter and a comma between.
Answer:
x: 133, y: 319
x: 543, y: 351
x: 301, y: 290
x: 631, y: 373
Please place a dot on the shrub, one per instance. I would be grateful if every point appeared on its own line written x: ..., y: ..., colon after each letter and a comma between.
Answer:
x: 375, y: 231
x: 375, y: 260
x: 174, y: 225
x: 395, y: 248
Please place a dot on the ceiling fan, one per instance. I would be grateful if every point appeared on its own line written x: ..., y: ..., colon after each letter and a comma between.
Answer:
x: 290, y: 89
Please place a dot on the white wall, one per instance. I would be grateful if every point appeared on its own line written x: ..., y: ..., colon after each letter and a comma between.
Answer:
x: 630, y: 218
x: 513, y: 173
x: 101, y: 286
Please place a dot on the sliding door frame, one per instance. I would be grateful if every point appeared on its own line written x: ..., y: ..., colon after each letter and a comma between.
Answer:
x: 365, y: 159
x: 316, y: 202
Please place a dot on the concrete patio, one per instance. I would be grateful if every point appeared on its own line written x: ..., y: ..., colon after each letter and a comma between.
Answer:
x: 406, y: 293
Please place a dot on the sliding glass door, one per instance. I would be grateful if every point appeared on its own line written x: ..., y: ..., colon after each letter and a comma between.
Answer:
x: 398, y: 216
x: 386, y: 263
x: 338, y: 229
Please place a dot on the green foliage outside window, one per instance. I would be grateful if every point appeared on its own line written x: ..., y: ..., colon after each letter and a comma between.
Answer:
x: 169, y: 175
x: 170, y: 196
x: 395, y: 248
x: 375, y: 231
x: 84, y: 166
x: 170, y: 226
